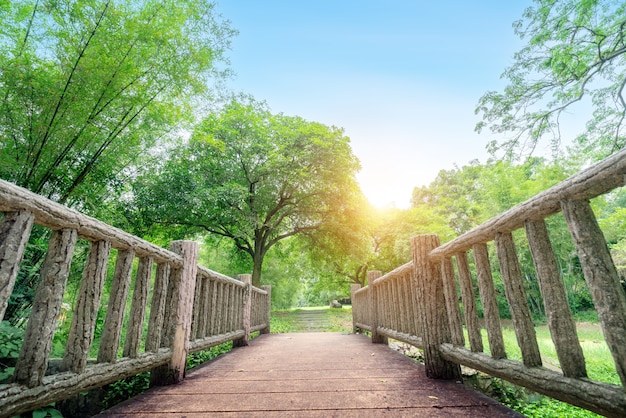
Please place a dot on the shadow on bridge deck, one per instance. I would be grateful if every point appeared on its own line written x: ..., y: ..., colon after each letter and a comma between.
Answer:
x: 311, y: 375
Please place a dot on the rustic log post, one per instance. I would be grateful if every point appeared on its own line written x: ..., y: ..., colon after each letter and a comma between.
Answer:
x: 214, y: 307
x: 374, y: 307
x: 14, y: 233
x: 560, y: 320
x: 490, y: 303
x: 469, y: 303
x: 355, y: 306
x: 86, y: 311
x: 178, y: 325
x: 601, y: 277
x: 110, y: 338
x: 452, y: 302
x: 516, y: 296
x: 33, y: 361
x: 197, y: 307
x: 138, y: 307
x: 268, y: 309
x: 247, y: 310
x: 432, y: 308
x: 157, y: 309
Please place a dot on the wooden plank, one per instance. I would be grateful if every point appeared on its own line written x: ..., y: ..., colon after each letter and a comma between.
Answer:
x: 300, y: 374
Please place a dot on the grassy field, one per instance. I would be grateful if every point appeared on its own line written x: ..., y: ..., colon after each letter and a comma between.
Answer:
x: 599, y: 361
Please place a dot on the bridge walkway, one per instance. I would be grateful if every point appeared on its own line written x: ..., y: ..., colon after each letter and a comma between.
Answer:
x: 311, y: 375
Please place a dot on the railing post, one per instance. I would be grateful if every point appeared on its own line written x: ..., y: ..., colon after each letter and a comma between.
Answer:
x: 601, y: 277
x: 14, y: 233
x: 374, y: 307
x: 178, y: 324
x: 432, y: 302
x: 247, y: 310
x: 268, y: 309
x: 355, y: 309
x: 33, y: 360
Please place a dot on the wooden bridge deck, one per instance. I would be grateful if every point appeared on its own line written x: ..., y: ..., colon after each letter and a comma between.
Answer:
x: 311, y: 375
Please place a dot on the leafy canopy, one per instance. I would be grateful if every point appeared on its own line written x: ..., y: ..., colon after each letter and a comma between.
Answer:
x: 87, y: 86
x: 253, y: 177
x: 575, y: 52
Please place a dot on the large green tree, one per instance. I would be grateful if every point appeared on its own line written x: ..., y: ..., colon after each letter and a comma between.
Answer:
x: 575, y: 52
x: 253, y: 177
x: 87, y: 86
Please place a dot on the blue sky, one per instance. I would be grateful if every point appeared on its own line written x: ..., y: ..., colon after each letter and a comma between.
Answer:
x: 401, y: 77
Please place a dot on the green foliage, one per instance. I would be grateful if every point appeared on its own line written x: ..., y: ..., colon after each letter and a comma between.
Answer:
x: 88, y: 86
x: 47, y: 412
x: 11, y: 339
x: 337, y: 320
x: 199, y: 357
x: 125, y: 389
x: 574, y: 53
x: 252, y: 177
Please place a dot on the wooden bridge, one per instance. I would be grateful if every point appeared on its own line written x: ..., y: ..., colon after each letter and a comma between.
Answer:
x: 312, y: 375
x: 193, y: 308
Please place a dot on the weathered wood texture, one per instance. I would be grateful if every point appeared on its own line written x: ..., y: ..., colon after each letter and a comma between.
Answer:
x: 138, y: 307
x: 488, y: 297
x: 432, y: 306
x: 33, y: 361
x: 38, y: 381
x: 312, y: 375
x: 56, y: 216
x: 594, y: 181
x: 452, y: 302
x: 114, y: 320
x: 518, y: 303
x: 601, y: 277
x: 602, y: 398
x: 560, y: 320
x: 570, y: 197
x: 375, y: 306
x: 247, y: 310
x: 469, y: 303
x: 14, y: 232
x: 84, y: 320
x: 178, y: 324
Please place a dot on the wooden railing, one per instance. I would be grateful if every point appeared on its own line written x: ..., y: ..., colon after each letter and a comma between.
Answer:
x: 418, y: 304
x: 192, y: 308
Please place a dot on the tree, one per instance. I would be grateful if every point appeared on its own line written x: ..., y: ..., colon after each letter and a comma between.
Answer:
x: 87, y: 86
x: 253, y: 177
x: 576, y: 51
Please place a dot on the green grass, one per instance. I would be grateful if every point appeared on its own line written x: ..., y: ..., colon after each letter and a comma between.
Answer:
x: 339, y: 320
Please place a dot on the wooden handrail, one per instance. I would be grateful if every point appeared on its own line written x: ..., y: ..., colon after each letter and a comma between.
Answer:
x: 431, y: 284
x: 193, y: 308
